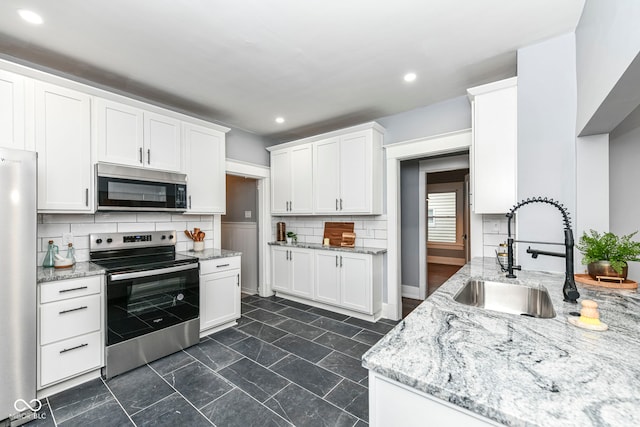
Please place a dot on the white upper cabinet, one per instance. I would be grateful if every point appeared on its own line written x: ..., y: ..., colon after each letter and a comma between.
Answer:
x: 131, y: 136
x: 12, y: 104
x: 494, y: 147
x: 204, y: 164
x: 348, y: 174
x: 338, y: 173
x: 291, y: 180
x: 161, y: 142
x: 119, y: 133
x: 63, y: 142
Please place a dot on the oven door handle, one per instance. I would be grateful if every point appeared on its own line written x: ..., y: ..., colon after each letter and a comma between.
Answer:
x: 148, y: 273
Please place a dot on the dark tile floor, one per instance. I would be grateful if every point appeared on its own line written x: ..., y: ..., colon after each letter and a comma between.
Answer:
x: 285, y: 363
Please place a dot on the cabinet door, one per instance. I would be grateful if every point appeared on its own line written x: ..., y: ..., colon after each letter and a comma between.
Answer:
x: 63, y: 142
x: 301, y: 272
x: 301, y: 179
x: 161, y: 142
x: 280, y: 181
x: 356, y: 282
x: 326, y: 176
x: 495, y: 136
x: 219, y: 298
x: 204, y: 164
x: 280, y: 269
x: 355, y: 173
x: 327, y: 278
x: 119, y: 132
x: 12, y: 110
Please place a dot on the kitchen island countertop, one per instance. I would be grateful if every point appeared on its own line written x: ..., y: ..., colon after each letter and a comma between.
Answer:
x: 518, y: 370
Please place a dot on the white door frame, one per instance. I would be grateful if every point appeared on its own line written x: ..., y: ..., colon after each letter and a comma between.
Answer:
x: 407, y: 150
x: 263, y: 175
x: 431, y: 166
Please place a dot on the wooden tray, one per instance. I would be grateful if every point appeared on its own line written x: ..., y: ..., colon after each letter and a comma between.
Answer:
x: 587, y: 280
x: 334, y: 230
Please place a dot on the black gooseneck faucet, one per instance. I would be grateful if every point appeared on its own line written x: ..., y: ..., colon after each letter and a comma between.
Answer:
x: 569, y: 289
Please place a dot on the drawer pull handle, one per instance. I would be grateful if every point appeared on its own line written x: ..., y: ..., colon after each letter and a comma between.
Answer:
x: 222, y: 265
x: 73, y: 348
x: 84, y: 307
x: 72, y: 289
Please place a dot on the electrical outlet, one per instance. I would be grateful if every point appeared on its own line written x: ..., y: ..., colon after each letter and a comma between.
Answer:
x: 67, y: 238
x: 247, y: 214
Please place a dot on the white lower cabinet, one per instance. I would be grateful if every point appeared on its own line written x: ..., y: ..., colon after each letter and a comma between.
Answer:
x: 70, y: 332
x: 342, y: 280
x: 293, y: 271
x: 345, y: 279
x: 219, y: 293
x: 395, y: 404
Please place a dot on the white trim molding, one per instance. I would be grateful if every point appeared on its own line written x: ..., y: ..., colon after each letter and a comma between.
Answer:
x: 453, y: 142
x: 263, y: 175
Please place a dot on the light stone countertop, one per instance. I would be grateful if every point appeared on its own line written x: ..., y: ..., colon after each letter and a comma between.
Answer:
x: 210, y: 253
x: 356, y: 250
x: 517, y: 370
x: 80, y: 269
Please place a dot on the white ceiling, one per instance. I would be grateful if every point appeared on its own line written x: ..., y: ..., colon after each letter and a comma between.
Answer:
x: 321, y: 64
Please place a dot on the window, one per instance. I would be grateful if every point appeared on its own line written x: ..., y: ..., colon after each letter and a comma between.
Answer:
x: 445, y: 214
x: 442, y: 217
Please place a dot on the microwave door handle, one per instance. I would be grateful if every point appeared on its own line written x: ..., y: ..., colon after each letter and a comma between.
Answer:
x: 148, y: 273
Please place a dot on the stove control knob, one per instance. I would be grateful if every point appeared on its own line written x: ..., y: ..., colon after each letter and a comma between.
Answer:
x: 163, y: 237
x: 109, y: 240
x: 170, y: 236
x: 98, y: 241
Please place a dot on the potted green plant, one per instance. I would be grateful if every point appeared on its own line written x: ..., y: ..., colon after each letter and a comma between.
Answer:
x: 292, y: 237
x: 607, y: 254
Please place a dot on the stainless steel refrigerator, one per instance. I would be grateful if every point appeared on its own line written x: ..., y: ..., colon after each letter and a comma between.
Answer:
x: 17, y: 282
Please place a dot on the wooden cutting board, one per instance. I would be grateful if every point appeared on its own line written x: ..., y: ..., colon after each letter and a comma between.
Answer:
x: 334, y: 230
x: 587, y: 280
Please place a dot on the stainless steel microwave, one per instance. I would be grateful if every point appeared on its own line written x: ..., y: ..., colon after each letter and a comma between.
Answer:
x: 123, y: 188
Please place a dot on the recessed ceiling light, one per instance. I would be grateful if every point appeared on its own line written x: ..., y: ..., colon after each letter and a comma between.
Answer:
x: 30, y: 16
x: 409, y: 77
x: 279, y: 120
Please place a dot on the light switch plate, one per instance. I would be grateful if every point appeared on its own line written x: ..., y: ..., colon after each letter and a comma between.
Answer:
x: 247, y: 214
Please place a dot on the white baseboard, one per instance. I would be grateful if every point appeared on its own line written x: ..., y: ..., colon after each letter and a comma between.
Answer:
x: 411, y: 291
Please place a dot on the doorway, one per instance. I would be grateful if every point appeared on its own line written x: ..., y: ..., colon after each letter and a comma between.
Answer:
x: 447, y: 235
x: 239, y: 227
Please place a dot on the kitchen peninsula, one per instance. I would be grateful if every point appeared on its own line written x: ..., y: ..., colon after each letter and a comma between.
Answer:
x: 488, y: 367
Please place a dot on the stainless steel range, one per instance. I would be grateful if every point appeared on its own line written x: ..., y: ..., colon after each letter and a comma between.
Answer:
x: 152, y: 297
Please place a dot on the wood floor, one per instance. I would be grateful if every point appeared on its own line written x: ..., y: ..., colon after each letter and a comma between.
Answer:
x: 437, y: 274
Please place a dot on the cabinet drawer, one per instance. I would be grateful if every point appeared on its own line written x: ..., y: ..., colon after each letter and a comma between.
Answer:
x: 69, y: 318
x: 219, y: 264
x: 65, y: 289
x: 70, y: 357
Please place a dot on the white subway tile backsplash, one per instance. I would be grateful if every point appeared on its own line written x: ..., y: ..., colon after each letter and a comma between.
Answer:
x: 124, y: 227
x: 53, y: 226
x: 45, y: 230
x: 153, y: 217
x: 380, y: 234
x: 83, y: 229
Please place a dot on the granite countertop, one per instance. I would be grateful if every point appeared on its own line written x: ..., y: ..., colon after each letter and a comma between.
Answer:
x: 517, y: 370
x: 80, y: 269
x: 210, y: 253
x: 356, y: 250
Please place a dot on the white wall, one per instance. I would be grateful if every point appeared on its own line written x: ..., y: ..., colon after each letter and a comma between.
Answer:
x: 246, y: 147
x: 624, y: 211
x: 54, y: 226
x: 546, y: 144
x: 607, y: 42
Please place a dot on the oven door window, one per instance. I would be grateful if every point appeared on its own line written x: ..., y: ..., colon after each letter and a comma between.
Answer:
x: 139, y: 306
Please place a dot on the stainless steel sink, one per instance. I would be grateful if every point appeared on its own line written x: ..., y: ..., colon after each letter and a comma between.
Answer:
x: 507, y: 298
